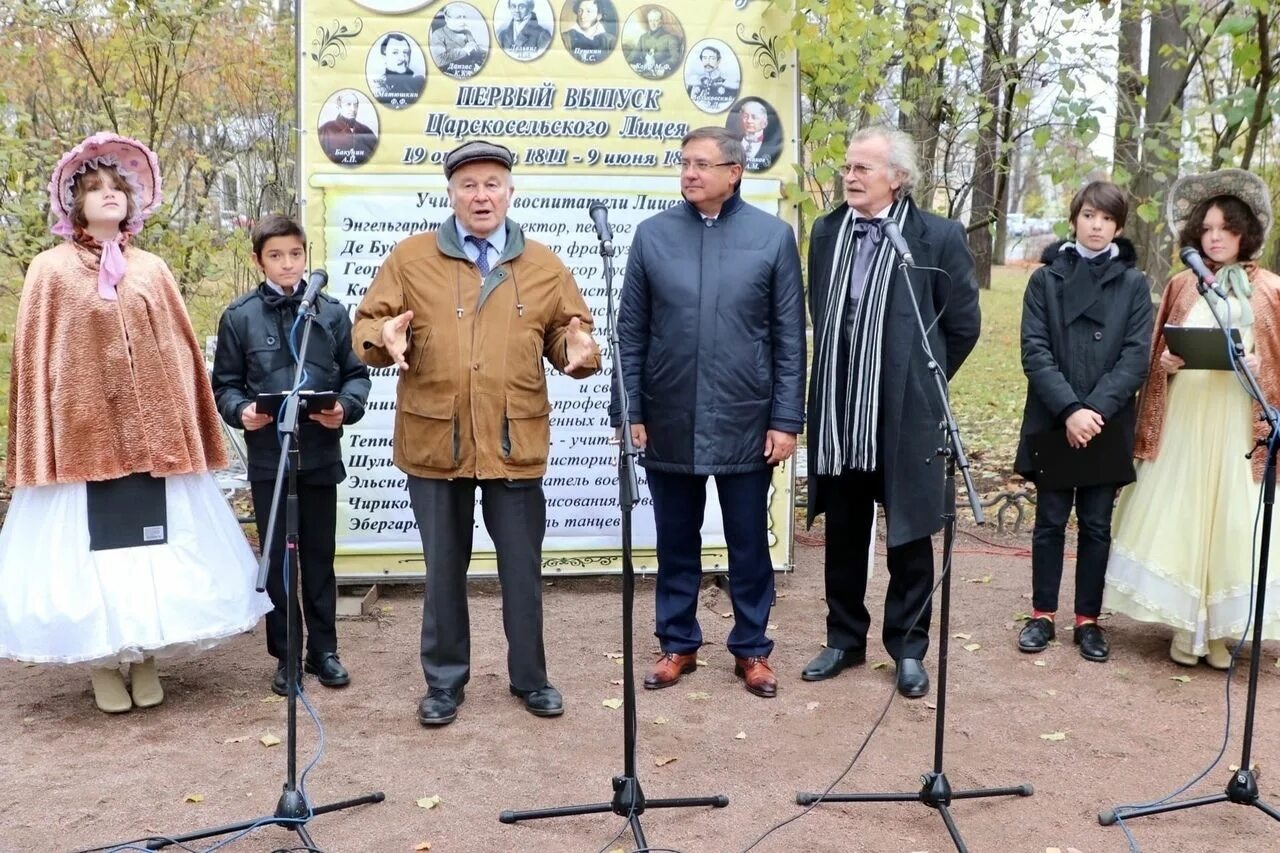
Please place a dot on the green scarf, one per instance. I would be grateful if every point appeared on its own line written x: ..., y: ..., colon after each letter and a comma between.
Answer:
x: 1235, y: 281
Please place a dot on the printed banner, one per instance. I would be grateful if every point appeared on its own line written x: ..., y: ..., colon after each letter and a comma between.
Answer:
x: 593, y: 96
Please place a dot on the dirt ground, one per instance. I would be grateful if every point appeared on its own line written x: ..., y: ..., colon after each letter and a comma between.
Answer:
x: 1125, y: 731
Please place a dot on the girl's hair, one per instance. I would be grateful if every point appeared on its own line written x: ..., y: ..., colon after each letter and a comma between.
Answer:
x: 92, y: 180
x: 1104, y: 196
x: 1239, y: 219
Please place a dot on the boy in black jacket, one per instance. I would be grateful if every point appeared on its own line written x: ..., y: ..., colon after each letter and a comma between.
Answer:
x: 1086, y: 340
x: 254, y: 356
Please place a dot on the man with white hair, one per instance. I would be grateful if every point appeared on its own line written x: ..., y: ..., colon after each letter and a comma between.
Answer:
x: 758, y: 145
x: 873, y: 412
x: 468, y: 313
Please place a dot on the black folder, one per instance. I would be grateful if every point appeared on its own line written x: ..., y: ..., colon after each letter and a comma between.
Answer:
x: 1105, y: 459
x: 1202, y: 348
x: 127, y: 512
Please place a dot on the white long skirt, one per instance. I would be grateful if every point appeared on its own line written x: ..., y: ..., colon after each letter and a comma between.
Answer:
x: 62, y: 603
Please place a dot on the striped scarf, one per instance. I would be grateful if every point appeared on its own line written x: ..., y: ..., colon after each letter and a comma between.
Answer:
x: 848, y: 408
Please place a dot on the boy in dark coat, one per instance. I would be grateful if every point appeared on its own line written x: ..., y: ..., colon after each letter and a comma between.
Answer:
x: 1086, y: 339
x: 255, y: 355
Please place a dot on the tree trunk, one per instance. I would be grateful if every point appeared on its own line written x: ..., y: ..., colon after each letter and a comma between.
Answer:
x: 1161, y: 143
x: 1128, y: 135
x: 982, y: 211
x: 922, y: 91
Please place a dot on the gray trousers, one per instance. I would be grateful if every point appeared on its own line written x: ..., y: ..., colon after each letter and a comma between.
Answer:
x: 515, y: 514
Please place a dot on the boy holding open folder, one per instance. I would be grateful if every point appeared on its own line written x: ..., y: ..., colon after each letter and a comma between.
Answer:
x: 255, y: 357
x: 1086, y: 337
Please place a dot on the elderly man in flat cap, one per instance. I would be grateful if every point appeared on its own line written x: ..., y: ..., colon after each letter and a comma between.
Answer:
x: 468, y: 313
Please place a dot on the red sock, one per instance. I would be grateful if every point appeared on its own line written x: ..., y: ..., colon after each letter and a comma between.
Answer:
x: 1081, y: 620
x: 1042, y: 614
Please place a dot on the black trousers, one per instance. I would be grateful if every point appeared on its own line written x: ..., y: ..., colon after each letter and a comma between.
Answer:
x: 515, y: 514
x: 850, y: 506
x: 317, y: 517
x: 1094, y: 505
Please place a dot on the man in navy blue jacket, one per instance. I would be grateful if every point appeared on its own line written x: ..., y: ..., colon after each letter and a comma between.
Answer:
x: 712, y: 337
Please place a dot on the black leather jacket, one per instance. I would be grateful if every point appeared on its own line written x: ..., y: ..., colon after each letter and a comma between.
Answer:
x: 253, y: 357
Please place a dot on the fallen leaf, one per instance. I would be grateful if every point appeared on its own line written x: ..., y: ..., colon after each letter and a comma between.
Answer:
x: 773, y: 626
x: 1051, y: 693
x: 430, y: 802
x: 1054, y: 736
x: 810, y: 706
x: 933, y: 706
x: 728, y: 615
x: 663, y: 761
x: 194, y: 798
x: 699, y: 695
x: 387, y: 608
x: 1041, y: 663
x: 273, y: 700
x: 269, y: 740
x: 880, y: 664
x: 659, y: 721
x: 240, y: 739
x: 28, y: 720
x: 972, y: 647
x: 963, y: 636
x: 701, y: 662
x: 616, y: 681
x: 1021, y: 617
x: 1053, y: 850
x: 613, y: 655
x: 613, y: 704
x: 426, y: 845
x: 983, y: 579
x: 1181, y: 679
x: 740, y: 736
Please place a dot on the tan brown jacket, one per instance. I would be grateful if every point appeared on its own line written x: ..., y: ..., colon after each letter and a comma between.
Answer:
x: 474, y: 400
x: 1179, y: 297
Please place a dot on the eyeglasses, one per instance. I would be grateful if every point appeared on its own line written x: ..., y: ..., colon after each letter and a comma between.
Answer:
x: 700, y: 165
x: 860, y: 170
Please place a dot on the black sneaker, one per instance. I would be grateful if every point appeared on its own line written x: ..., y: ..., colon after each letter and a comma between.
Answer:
x: 1035, y: 635
x: 1092, y: 642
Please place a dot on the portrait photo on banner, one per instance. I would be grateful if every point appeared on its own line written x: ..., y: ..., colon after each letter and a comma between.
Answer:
x: 523, y: 27
x: 653, y: 41
x: 347, y: 128
x: 756, y: 122
x: 589, y: 29
x: 712, y: 76
x: 458, y: 40
x: 396, y: 70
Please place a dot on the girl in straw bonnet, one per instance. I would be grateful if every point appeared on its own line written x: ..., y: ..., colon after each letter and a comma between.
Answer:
x: 1185, y: 536
x: 108, y: 392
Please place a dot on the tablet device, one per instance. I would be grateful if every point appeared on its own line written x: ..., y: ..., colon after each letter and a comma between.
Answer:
x: 312, y: 401
x: 1201, y: 347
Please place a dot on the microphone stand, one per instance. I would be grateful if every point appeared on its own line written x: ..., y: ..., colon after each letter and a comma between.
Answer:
x: 292, y: 810
x: 935, y: 790
x: 628, y: 800
x: 1242, y: 789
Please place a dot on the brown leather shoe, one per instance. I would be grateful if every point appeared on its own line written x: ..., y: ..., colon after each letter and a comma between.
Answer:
x: 757, y: 675
x: 669, y: 668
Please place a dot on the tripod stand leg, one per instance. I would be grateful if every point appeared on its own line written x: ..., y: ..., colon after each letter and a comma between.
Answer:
x: 1109, y: 816
x: 556, y: 811
x: 375, y: 797
x: 718, y: 801
x: 1011, y: 791
x: 952, y: 829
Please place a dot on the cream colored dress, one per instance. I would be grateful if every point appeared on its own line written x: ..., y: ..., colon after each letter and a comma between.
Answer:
x: 1182, y: 539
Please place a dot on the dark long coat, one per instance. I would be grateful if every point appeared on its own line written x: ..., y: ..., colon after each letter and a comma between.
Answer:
x: 1084, y: 350
x: 910, y: 411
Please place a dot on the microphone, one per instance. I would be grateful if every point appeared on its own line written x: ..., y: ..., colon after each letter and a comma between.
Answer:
x: 316, y: 283
x: 600, y: 216
x: 889, y: 228
x: 1195, y: 263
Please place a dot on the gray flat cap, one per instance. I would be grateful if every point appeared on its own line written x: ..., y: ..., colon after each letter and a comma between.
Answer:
x: 474, y: 151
